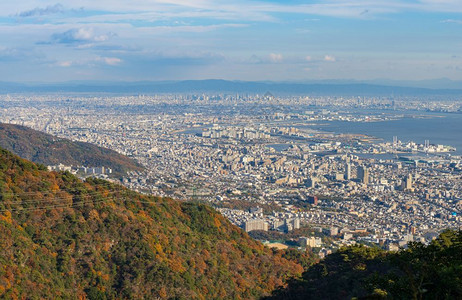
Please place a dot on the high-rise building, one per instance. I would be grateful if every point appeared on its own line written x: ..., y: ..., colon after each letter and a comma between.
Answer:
x: 312, y: 200
x: 363, y: 174
x: 291, y: 224
x: 407, y: 183
x: 310, y: 241
x: 348, y: 171
x: 331, y: 231
x: 311, y: 182
x: 255, y: 225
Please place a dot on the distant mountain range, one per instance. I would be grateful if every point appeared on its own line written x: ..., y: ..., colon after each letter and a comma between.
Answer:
x: 341, y: 88
x: 46, y: 149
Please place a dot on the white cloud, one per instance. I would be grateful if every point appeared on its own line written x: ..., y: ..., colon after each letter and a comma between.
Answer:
x: 80, y: 35
x: 187, y: 28
x: 99, y: 60
x: 64, y: 64
x: 112, y: 61
x: 275, y: 57
x: 329, y: 58
x: 452, y: 21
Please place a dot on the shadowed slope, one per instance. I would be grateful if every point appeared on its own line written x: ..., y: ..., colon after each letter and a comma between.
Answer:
x: 50, y: 150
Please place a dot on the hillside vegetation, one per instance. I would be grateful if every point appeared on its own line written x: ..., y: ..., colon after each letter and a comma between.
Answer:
x: 66, y: 239
x: 46, y: 149
x: 431, y: 271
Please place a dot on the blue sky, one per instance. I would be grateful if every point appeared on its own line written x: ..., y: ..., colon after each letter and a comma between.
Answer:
x: 49, y: 41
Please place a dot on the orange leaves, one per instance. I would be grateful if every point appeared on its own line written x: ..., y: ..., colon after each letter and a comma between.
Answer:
x: 7, y: 281
x: 205, y: 254
x: 107, y: 245
x: 54, y: 187
x: 6, y: 216
x: 201, y: 265
x: 217, y: 221
x: 177, y: 250
x: 105, y: 277
x: 176, y: 264
x: 163, y: 292
x: 93, y: 214
x: 142, y: 216
x: 159, y: 249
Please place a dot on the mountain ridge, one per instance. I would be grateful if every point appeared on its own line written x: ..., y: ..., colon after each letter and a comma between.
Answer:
x: 332, y: 87
x: 50, y: 150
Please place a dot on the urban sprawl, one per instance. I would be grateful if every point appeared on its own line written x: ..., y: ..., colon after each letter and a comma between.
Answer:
x: 262, y: 163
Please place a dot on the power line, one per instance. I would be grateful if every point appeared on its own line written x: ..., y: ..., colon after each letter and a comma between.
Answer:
x: 71, y: 205
x: 74, y: 205
x: 49, y: 192
x: 26, y: 201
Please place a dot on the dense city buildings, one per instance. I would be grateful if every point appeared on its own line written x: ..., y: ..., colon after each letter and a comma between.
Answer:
x: 265, y: 162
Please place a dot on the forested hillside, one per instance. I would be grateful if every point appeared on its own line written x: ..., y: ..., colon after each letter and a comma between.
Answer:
x: 64, y: 238
x: 431, y: 271
x: 46, y: 149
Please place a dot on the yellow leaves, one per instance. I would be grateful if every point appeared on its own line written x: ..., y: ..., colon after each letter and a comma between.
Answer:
x: 93, y: 214
x: 54, y: 187
x: 6, y: 217
x: 111, y: 204
x: 159, y: 249
x: 142, y: 216
x: 217, y: 221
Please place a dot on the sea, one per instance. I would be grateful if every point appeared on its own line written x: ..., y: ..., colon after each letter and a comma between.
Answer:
x: 417, y: 126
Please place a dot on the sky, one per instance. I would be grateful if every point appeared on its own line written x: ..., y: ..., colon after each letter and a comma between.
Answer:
x: 249, y: 40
